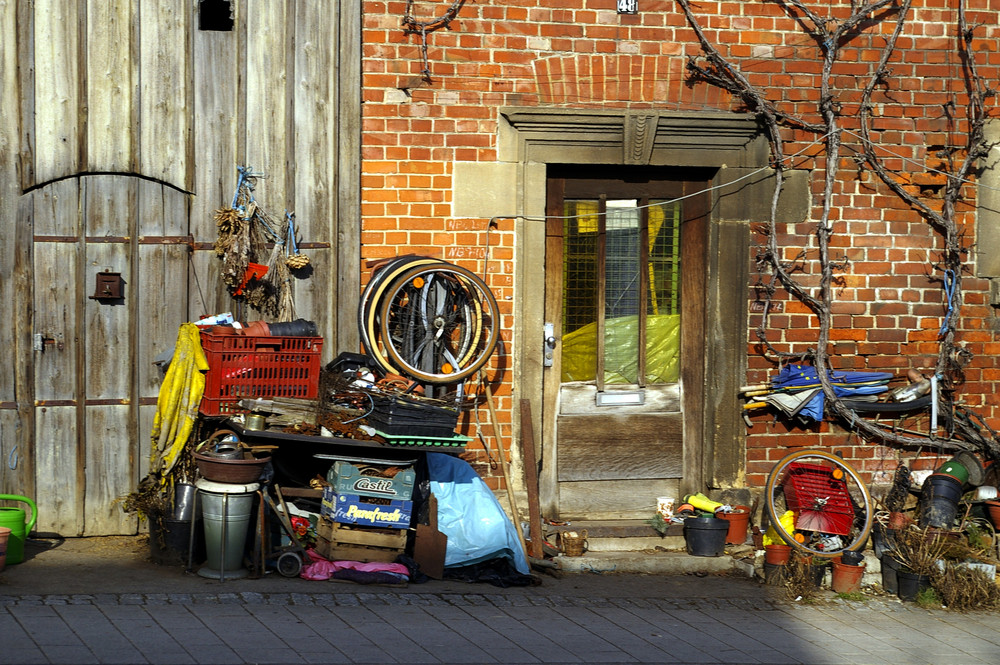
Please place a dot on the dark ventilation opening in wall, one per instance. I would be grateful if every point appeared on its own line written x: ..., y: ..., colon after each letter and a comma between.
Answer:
x: 215, y: 15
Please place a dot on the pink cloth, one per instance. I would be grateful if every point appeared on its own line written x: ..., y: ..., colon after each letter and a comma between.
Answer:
x: 321, y: 569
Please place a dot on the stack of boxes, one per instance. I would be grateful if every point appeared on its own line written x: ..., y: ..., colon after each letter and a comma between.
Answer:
x: 366, y: 511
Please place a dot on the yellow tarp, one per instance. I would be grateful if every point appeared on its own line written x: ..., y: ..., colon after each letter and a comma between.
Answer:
x: 663, y: 343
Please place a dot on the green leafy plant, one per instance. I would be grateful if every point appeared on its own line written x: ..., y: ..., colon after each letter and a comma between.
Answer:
x: 854, y: 596
x: 657, y: 522
x: 928, y: 599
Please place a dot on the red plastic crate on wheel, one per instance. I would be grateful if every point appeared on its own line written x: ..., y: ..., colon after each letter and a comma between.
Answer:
x: 820, y: 501
x: 265, y: 367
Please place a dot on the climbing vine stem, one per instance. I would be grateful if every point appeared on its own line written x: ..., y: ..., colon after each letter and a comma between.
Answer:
x: 831, y: 34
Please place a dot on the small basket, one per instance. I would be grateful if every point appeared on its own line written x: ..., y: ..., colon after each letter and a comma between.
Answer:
x: 573, y: 543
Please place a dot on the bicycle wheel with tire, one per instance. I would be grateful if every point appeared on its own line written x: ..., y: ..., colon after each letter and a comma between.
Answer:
x: 369, y: 324
x: 831, y: 504
x: 439, y: 323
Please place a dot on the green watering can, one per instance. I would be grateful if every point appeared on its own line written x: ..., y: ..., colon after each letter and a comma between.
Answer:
x: 13, y: 519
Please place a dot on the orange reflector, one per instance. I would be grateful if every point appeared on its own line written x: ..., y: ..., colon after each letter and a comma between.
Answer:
x: 447, y: 368
x: 418, y: 282
x: 799, y: 538
x: 838, y: 473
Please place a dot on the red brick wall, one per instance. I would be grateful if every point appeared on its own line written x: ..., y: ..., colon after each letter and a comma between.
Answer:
x: 582, y: 54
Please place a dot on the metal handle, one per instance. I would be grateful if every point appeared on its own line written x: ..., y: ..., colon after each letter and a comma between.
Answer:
x: 548, y: 352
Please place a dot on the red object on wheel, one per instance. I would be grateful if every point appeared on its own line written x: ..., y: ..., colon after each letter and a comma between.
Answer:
x: 821, y: 501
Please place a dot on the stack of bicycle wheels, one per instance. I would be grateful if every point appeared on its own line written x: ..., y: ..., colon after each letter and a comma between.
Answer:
x: 427, y: 319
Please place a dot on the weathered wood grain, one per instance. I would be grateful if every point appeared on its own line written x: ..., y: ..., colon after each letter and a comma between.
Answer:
x: 267, y: 101
x: 110, y: 86
x: 611, y: 447
x: 57, y: 320
x: 57, y: 484
x: 613, y: 500
x: 106, y: 450
x: 164, y: 119
x: 57, y: 93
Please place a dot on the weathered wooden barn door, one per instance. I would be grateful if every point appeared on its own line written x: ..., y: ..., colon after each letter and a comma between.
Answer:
x: 123, y: 126
x: 95, y: 380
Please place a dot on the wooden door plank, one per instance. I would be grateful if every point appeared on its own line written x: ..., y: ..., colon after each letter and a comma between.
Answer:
x: 57, y: 320
x: 56, y: 95
x: 57, y: 484
x: 218, y: 58
x: 267, y: 96
x: 18, y: 80
x: 314, y: 146
x: 163, y: 104
x: 614, y: 499
x: 9, y: 190
x: 347, y: 158
x: 613, y: 447
x: 103, y: 515
x: 19, y: 441
x: 110, y: 86
x: 694, y: 239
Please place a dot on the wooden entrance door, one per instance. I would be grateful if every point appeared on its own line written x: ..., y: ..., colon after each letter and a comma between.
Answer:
x: 95, y: 382
x: 625, y: 263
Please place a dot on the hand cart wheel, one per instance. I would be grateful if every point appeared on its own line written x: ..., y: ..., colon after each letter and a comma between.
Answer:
x: 289, y: 564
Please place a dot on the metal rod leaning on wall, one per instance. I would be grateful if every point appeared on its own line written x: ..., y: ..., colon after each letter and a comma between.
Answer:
x: 515, y: 515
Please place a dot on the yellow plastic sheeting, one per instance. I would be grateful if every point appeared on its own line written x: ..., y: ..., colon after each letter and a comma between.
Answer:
x: 178, y: 401
x: 663, y: 343
x: 787, y: 520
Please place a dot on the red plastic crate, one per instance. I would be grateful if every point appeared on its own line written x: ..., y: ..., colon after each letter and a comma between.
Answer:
x: 248, y: 367
x: 804, y: 484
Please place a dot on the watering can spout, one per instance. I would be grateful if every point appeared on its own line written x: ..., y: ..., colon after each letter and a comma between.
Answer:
x: 14, y: 519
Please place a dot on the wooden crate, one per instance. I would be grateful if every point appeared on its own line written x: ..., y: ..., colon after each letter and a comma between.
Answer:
x: 342, y: 542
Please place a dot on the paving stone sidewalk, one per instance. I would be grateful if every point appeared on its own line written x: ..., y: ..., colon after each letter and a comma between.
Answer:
x: 520, y: 626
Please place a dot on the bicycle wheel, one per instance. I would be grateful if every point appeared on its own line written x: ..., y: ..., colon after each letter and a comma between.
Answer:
x: 831, y: 505
x: 369, y: 324
x: 439, y: 323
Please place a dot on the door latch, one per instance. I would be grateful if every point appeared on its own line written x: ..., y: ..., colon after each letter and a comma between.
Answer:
x: 39, y: 342
x: 549, y: 345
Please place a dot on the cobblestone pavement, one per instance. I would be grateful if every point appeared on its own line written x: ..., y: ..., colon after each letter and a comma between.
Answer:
x: 579, y: 618
x: 520, y: 626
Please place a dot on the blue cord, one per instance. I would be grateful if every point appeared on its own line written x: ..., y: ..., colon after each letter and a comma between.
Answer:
x: 949, y: 291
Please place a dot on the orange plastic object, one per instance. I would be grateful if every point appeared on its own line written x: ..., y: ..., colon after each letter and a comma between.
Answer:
x: 254, y: 271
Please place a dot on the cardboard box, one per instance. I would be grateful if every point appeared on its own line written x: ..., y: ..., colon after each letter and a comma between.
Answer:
x: 365, y: 511
x: 340, y: 542
x: 348, y: 478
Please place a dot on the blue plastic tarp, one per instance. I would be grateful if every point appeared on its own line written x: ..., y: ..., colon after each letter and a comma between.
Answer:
x: 469, y: 514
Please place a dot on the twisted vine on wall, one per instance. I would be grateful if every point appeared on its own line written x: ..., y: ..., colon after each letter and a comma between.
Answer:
x: 831, y: 34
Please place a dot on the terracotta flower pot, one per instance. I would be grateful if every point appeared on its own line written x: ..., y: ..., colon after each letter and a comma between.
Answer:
x: 898, y: 521
x: 846, y: 578
x: 739, y: 522
x: 777, y: 554
x: 993, y: 508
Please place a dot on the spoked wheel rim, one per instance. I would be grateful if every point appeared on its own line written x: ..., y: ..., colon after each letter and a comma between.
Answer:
x: 832, y: 506
x: 369, y: 324
x: 438, y: 323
